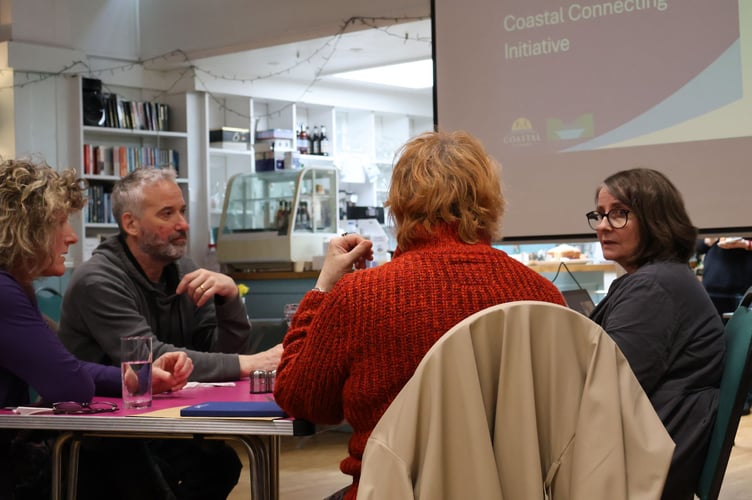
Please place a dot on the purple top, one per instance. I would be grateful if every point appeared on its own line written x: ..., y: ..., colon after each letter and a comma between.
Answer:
x: 32, y: 355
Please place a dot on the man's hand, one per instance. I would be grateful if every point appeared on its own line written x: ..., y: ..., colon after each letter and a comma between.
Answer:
x: 202, y: 284
x: 170, y: 372
x: 267, y: 360
x: 344, y: 253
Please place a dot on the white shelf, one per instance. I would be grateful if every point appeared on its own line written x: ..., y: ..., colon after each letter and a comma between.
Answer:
x: 101, y: 178
x: 315, y: 158
x: 133, y: 132
x: 230, y: 152
x: 100, y: 225
x: 115, y: 178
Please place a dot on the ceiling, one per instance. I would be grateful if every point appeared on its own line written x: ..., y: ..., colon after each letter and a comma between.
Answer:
x: 306, y: 61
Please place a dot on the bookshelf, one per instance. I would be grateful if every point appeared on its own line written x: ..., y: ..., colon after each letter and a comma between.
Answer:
x: 103, y: 154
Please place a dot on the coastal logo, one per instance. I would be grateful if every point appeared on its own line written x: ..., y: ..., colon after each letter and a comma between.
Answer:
x: 522, y: 133
x: 581, y: 128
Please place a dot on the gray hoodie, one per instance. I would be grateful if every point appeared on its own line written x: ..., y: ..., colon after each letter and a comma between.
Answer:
x: 109, y: 297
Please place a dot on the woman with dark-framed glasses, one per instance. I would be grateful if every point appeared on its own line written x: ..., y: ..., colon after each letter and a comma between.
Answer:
x: 659, y: 314
x: 35, y: 234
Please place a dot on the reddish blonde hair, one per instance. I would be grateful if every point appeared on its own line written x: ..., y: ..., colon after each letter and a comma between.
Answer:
x: 445, y: 178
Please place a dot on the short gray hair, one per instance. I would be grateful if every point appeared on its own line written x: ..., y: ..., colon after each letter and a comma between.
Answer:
x: 128, y: 192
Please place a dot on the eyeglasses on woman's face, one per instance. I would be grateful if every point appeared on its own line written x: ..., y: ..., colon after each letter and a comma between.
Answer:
x: 617, y: 218
x: 76, y: 408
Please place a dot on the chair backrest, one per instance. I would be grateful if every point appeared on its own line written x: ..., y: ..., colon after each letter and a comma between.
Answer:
x: 734, y: 384
x: 515, y: 400
x: 49, y: 301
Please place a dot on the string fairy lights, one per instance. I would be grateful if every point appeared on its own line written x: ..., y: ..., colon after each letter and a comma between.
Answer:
x: 321, y: 56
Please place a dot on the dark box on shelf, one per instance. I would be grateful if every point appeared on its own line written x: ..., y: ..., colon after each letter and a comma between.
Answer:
x: 274, y: 160
x: 270, y: 164
x: 235, y: 138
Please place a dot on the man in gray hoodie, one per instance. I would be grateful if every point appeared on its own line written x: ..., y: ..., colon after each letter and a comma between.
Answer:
x: 140, y: 282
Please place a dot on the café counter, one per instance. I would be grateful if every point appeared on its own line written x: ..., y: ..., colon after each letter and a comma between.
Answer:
x: 567, y: 275
x: 269, y: 291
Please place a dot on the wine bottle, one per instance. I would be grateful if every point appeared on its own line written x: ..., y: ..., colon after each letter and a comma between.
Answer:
x: 303, y: 140
x: 279, y: 216
x: 306, y: 215
x: 323, y: 142
x: 316, y: 141
x: 309, y: 135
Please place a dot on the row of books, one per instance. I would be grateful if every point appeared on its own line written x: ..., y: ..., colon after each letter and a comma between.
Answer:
x: 120, y: 160
x: 137, y: 115
x: 98, y: 209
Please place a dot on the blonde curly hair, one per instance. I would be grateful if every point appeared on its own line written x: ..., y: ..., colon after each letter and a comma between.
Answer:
x: 34, y: 199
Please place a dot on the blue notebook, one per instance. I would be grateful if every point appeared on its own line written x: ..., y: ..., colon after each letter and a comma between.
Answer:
x: 234, y: 409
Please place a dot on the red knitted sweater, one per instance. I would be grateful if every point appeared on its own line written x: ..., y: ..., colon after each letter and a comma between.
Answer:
x: 349, y: 351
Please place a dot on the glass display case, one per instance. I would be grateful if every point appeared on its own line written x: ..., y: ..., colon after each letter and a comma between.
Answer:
x: 273, y: 219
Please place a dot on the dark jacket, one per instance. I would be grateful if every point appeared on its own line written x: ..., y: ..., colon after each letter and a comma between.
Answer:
x: 672, y: 336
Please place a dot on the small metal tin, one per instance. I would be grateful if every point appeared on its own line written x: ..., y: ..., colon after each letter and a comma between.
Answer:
x: 271, y: 377
x: 258, y: 381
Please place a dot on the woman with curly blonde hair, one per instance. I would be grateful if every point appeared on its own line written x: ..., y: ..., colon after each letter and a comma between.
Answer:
x: 35, y: 234
x: 357, y: 337
x: 36, y: 201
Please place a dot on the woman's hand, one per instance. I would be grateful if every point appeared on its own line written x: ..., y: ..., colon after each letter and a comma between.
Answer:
x: 344, y: 253
x: 170, y: 372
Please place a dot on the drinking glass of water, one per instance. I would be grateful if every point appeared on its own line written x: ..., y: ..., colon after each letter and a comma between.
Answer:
x: 135, y: 362
x: 289, y: 312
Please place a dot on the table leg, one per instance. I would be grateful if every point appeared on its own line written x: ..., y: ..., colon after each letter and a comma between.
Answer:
x: 274, y: 446
x: 73, y: 455
x: 263, y: 455
x: 262, y: 475
x: 57, y: 459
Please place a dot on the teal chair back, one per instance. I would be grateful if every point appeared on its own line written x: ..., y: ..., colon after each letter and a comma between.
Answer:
x: 50, y: 301
x: 737, y: 373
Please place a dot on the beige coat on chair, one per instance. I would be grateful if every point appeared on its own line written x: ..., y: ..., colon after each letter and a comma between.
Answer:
x: 521, y: 401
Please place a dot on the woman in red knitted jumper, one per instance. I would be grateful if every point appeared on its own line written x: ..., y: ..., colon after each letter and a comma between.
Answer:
x: 358, y: 336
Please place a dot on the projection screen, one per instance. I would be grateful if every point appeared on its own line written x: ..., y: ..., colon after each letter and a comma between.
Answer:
x: 564, y: 93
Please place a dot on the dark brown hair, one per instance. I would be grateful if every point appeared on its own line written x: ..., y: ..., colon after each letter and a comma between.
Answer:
x: 666, y: 232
